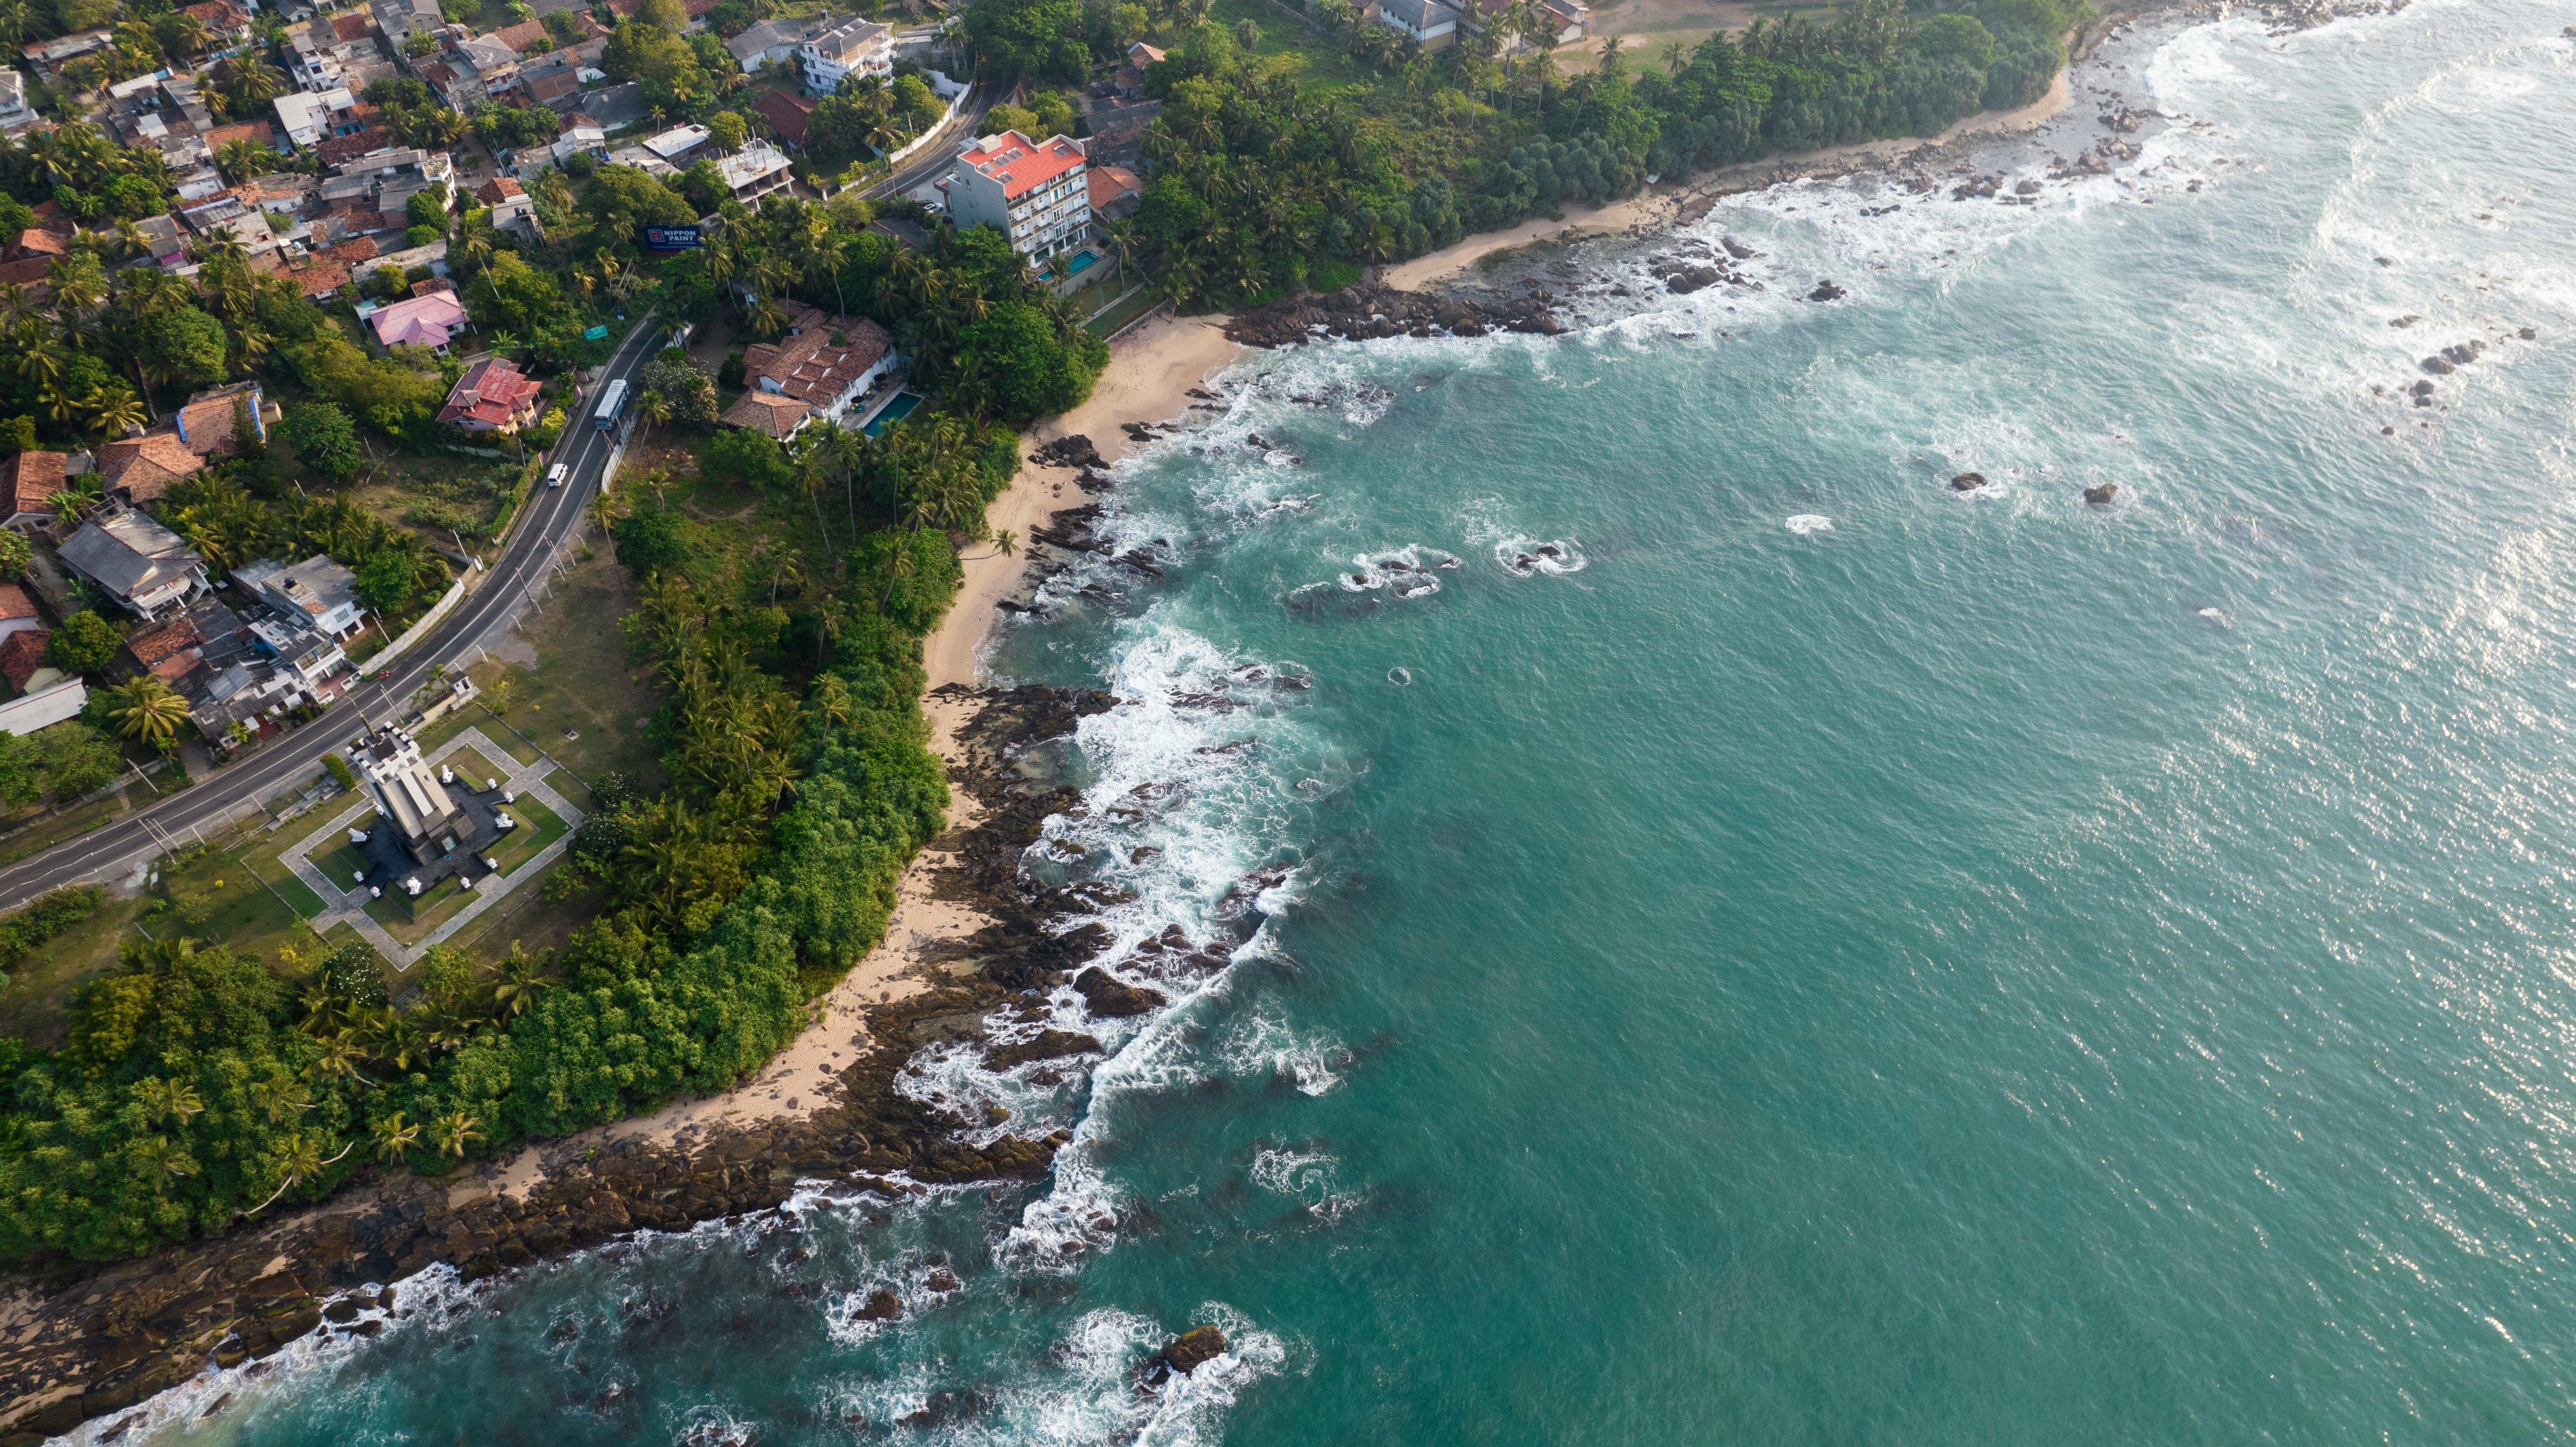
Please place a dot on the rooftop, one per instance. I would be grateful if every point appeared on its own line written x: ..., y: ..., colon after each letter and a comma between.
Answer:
x: 809, y: 365
x: 492, y: 391
x: 421, y: 320
x: 1020, y: 164
x: 129, y: 553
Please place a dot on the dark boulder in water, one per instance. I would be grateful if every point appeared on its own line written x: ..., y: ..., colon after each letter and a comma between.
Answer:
x: 1691, y: 279
x: 2423, y: 389
x: 1967, y: 482
x: 2438, y: 366
x: 1826, y: 291
x: 882, y: 1305
x: 2101, y: 496
x: 1109, y: 997
x: 1185, y: 1354
x: 1048, y: 1045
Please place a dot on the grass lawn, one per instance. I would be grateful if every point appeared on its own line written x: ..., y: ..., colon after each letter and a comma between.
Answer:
x: 220, y: 897
x: 79, y: 819
x: 1108, y: 322
x: 1282, y: 34
x: 31, y: 1007
x: 566, y: 671
x: 539, y: 826
x: 410, y: 920
x: 472, y: 768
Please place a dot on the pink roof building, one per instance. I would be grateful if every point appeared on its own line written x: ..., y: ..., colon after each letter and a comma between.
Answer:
x: 421, y: 321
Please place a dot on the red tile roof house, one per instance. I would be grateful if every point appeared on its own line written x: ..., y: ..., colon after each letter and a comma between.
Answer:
x: 786, y: 113
x: 206, y: 423
x: 28, y: 483
x: 421, y: 321
x: 492, y: 396
x: 772, y: 414
x: 824, y: 362
x: 17, y: 610
x: 144, y: 467
x: 22, y: 656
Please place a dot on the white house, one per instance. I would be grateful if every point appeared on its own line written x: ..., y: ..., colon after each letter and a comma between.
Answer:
x: 771, y: 41
x: 317, y: 590
x: 854, y: 47
x: 14, y: 114
x: 1034, y: 194
x: 1432, y: 26
x: 308, y: 116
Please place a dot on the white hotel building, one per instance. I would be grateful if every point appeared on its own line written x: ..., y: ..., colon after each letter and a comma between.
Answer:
x: 1037, y: 195
x: 854, y: 47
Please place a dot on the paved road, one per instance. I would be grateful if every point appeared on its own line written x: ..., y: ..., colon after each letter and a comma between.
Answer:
x: 934, y: 159
x: 548, y: 518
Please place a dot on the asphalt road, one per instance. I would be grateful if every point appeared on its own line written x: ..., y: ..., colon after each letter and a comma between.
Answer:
x: 935, y: 158
x: 230, y: 793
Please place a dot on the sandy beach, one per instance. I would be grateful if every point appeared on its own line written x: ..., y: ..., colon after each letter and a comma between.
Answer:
x: 1151, y: 370
x: 1661, y: 204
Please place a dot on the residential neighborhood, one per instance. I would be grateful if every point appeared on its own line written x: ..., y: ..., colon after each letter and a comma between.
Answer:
x: 401, y: 236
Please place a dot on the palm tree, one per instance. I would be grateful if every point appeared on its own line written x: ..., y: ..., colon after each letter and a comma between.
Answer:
x: 299, y: 1159
x: 453, y: 1132
x: 117, y: 412
x: 190, y: 34
x: 146, y: 709
x: 394, y: 1137
x: 161, y: 1160
x: 502, y: 343
x: 240, y: 160
x: 174, y: 1101
x: 653, y: 409
x: 519, y: 984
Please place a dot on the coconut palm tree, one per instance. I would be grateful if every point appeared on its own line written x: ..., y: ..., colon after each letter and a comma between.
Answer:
x: 520, y: 983
x: 394, y: 1137
x: 160, y: 1160
x: 653, y: 409
x: 117, y: 413
x: 299, y: 1159
x: 453, y: 1132
x: 502, y: 343
x: 174, y: 1101
x: 146, y: 709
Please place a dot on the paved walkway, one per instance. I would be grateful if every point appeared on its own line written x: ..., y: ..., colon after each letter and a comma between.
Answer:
x: 349, y: 906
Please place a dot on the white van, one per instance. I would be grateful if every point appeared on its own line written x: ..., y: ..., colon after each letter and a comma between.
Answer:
x: 555, y: 475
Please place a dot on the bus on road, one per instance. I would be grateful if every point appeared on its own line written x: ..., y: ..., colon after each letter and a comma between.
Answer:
x: 611, y: 402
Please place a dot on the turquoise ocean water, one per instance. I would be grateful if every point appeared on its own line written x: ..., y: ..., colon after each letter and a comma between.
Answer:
x: 1957, y: 969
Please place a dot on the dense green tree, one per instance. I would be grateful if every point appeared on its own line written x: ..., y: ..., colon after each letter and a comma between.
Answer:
x: 83, y: 644
x: 323, y: 438
x: 1038, y: 38
x: 385, y: 582
x: 1035, y: 371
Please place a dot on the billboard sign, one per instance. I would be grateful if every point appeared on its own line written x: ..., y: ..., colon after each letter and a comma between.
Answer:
x: 595, y: 334
x: 663, y: 240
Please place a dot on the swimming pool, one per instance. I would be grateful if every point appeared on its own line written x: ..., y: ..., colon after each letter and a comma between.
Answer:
x: 892, y: 412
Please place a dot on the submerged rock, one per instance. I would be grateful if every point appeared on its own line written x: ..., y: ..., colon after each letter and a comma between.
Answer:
x: 1111, y: 998
x: 1967, y: 482
x: 2102, y: 496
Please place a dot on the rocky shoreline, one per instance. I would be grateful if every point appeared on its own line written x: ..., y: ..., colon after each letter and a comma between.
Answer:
x: 84, y: 1342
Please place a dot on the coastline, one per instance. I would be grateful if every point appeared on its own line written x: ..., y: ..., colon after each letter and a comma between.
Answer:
x: 1665, y: 204
x: 823, y: 1107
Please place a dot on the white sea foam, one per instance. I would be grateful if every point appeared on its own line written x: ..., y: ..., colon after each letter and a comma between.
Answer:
x: 1524, y: 557
x: 1304, y: 1174
x: 1810, y: 522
